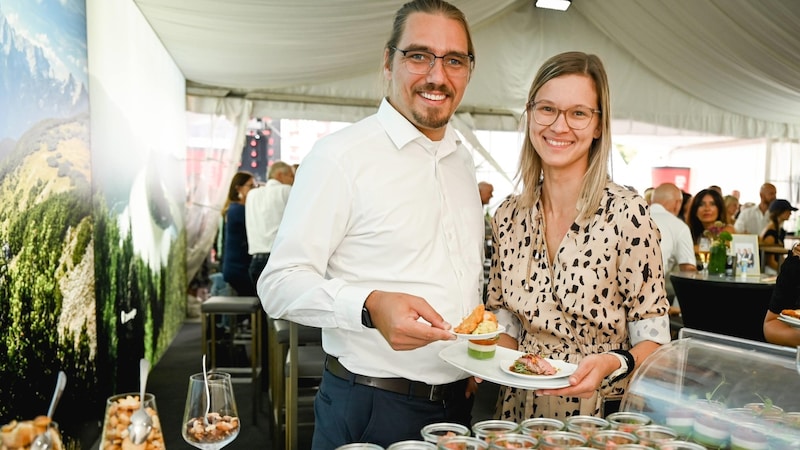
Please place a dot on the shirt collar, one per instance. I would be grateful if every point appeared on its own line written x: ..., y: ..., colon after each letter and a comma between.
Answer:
x: 402, y: 132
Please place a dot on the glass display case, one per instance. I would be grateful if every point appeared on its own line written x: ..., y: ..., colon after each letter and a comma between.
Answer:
x: 721, y: 391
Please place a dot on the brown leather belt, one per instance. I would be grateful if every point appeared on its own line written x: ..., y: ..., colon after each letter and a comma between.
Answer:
x: 434, y: 393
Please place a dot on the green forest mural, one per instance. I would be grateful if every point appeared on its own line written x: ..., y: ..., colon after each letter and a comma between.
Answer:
x: 78, y: 292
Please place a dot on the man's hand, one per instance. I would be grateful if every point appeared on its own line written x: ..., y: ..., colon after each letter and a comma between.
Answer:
x: 395, y: 315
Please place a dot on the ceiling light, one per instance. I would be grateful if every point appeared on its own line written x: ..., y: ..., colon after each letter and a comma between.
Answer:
x: 560, y: 5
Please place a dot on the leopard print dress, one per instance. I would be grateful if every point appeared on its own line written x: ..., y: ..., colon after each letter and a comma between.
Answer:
x: 606, y: 274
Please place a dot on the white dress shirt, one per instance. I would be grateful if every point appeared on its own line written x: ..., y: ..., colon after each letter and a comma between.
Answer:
x: 677, y: 246
x: 379, y: 206
x: 751, y: 220
x: 263, y: 214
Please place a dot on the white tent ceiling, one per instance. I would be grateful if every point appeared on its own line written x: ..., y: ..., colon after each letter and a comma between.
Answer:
x: 725, y: 67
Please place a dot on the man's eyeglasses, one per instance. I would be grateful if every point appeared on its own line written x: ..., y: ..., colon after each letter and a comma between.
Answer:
x: 421, y: 62
x: 577, y: 117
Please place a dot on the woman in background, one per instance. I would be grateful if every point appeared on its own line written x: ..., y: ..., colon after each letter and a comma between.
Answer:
x: 576, y: 266
x: 707, y: 208
x: 731, y: 209
x: 774, y: 234
x: 235, y: 258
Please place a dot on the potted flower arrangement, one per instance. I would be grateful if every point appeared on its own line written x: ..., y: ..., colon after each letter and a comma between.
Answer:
x: 720, y: 241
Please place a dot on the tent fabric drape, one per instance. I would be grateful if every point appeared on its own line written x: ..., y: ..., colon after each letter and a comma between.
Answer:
x: 722, y: 67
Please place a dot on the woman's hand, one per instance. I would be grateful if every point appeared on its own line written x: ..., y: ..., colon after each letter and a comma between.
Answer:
x: 587, y: 378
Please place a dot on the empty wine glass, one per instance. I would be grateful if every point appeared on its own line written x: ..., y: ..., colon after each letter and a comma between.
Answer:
x: 210, y: 419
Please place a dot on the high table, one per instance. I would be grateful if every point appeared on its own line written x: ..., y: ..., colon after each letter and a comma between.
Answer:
x: 729, y: 305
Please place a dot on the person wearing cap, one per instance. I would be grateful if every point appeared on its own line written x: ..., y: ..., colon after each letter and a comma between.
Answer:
x: 773, y: 233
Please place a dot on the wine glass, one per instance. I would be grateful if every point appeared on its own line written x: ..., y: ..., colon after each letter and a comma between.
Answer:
x: 704, y: 248
x: 210, y: 419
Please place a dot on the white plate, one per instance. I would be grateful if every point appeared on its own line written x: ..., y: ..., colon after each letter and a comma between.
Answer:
x: 563, y: 369
x: 500, y: 329
x: 789, y: 320
x: 489, y: 369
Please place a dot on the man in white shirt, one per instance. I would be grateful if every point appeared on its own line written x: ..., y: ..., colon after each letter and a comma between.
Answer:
x: 753, y: 220
x: 381, y: 244
x: 677, y: 248
x: 263, y: 214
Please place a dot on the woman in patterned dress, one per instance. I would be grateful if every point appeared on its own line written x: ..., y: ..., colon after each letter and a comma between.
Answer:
x: 576, y: 266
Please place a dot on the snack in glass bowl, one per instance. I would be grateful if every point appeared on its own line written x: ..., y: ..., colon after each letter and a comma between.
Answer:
x: 19, y: 435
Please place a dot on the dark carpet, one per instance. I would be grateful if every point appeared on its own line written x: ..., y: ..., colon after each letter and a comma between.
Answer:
x: 168, y: 381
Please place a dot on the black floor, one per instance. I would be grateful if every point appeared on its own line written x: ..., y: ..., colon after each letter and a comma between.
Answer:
x: 168, y: 381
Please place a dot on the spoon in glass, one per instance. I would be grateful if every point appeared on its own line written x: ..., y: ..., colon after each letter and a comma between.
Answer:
x: 141, y: 422
x: 43, y: 440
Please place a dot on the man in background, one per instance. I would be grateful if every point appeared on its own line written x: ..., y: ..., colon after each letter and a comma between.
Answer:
x: 677, y: 248
x: 263, y: 214
x: 753, y: 220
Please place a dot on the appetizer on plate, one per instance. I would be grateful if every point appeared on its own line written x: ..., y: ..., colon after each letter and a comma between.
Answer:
x: 479, y: 321
x: 532, y: 364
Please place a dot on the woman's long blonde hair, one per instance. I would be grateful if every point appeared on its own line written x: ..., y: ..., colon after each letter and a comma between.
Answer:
x: 530, y: 164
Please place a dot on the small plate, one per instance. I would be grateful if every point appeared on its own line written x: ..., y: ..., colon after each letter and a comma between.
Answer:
x: 500, y: 329
x: 488, y: 369
x: 563, y: 369
x: 789, y: 320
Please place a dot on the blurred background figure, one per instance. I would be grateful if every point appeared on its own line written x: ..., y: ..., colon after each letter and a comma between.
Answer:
x: 753, y: 220
x: 731, y: 209
x: 648, y: 195
x: 263, y: 215
x: 774, y: 234
x: 235, y: 256
x: 677, y: 246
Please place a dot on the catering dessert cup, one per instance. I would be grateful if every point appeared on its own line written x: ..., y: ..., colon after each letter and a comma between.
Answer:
x: 360, y: 446
x: 680, y: 445
x: 681, y: 419
x: 609, y: 439
x: 514, y: 440
x: 748, y: 437
x: 539, y: 425
x: 489, y: 430
x: 482, y: 348
x: 710, y: 428
x: 436, y: 431
x: 655, y: 435
x: 587, y: 426
x: 560, y: 440
x: 462, y: 443
x: 412, y: 445
x: 628, y: 421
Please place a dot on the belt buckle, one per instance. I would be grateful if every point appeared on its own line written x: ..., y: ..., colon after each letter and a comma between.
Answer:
x: 434, y: 393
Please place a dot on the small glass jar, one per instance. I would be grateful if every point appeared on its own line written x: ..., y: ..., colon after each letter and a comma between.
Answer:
x: 748, y: 436
x: 436, y: 431
x: 765, y: 409
x: 488, y: 430
x: 608, y: 439
x: 655, y: 435
x: 412, y: 445
x: 587, y: 426
x: 360, y: 446
x: 634, y: 447
x: 559, y: 440
x: 681, y: 445
x: 482, y: 348
x: 628, y: 421
x: 462, y: 443
x: 514, y: 440
x: 539, y: 425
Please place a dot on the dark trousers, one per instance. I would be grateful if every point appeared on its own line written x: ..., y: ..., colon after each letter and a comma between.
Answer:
x: 257, y: 265
x: 346, y: 412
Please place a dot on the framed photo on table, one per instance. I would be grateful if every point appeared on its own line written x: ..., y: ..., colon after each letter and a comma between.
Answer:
x: 745, y: 247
